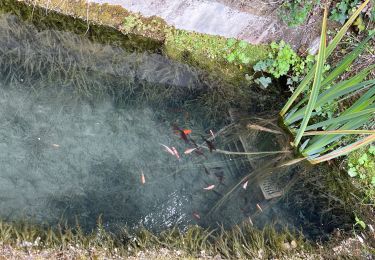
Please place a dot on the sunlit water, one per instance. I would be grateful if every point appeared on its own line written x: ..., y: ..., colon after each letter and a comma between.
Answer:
x: 81, y: 122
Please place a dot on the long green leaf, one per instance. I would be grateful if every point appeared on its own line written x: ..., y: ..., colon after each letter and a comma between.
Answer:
x: 345, y: 150
x: 317, y: 81
x: 340, y: 119
x: 346, y: 61
x: 364, y: 102
x: 340, y: 132
x: 340, y: 89
x: 306, y: 81
x: 318, y: 143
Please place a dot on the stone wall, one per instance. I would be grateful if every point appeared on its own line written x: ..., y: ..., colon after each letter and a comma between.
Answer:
x: 255, y: 21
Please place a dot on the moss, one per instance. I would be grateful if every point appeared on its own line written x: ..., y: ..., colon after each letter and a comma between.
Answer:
x: 109, y: 15
x: 100, y: 33
x: 210, y: 52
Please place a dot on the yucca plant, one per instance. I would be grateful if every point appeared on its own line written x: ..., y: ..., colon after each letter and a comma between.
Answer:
x: 321, y: 138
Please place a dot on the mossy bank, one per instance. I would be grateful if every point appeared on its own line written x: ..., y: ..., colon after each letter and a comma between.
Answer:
x: 208, y: 52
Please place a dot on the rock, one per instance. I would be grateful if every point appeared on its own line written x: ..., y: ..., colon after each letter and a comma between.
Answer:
x: 293, y: 244
x: 285, y: 246
x: 252, y: 20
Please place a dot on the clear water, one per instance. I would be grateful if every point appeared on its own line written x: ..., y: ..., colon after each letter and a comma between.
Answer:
x: 81, y: 121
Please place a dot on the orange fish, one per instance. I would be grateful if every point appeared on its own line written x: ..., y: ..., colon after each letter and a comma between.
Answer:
x: 143, y: 179
x: 209, y: 187
x: 187, y: 131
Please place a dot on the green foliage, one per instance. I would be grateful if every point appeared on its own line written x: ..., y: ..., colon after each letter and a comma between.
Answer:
x: 135, y: 23
x: 295, y: 12
x: 130, y: 23
x: 238, y: 52
x: 360, y: 223
x: 326, y: 145
x: 284, y: 58
x: 342, y: 10
x: 361, y: 166
x: 282, y: 61
x: 215, y: 54
x: 263, y: 81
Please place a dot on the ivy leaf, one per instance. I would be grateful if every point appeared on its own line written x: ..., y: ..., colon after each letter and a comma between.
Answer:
x: 231, y: 57
x: 289, y: 81
x: 260, y: 66
x: 363, y: 159
x: 243, y: 58
x: 231, y: 42
x: 359, y: 23
x: 248, y: 77
x: 263, y: 81
x: 371, y: 150
x: 243, y: 44
x: 352, y: 172
x: 360, y: 222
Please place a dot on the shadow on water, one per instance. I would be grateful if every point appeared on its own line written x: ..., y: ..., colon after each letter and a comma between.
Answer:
x: 83, y: 121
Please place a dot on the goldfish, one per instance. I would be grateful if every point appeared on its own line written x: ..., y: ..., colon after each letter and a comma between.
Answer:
x: 209, y: 187
x: 175, y: 152
x: 169, y: 150
x: 212, y: 134
x: 182, y: 133
x: 187, y: 131
x: 143, y: 179
x: 189, y: 151
x: 196, y: 215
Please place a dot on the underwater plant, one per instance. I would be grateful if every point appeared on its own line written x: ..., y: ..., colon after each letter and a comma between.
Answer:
x: 320, y: 88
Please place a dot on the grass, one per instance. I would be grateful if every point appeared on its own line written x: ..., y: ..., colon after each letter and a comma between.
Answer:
x: 242, y: 241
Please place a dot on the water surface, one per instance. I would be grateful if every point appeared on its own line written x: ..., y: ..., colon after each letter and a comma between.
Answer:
x: 81, y: 122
